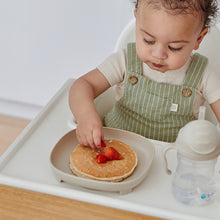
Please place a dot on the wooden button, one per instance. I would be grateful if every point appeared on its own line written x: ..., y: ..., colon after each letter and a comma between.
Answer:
x: 187, y: 92
x: 133, y: 79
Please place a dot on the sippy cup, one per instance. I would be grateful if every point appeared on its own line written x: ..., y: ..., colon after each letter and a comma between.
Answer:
x: 198, y: 147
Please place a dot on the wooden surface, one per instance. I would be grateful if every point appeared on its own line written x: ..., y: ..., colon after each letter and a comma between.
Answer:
x: 22, y: 204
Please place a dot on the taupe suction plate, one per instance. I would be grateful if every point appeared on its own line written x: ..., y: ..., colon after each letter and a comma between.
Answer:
x: 143, y: 148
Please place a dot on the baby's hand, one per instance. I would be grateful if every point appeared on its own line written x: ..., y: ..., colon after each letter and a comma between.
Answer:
x: 89, y: 130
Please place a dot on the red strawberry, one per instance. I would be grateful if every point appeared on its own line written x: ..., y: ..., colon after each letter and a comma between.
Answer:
x: 101, y: 159
x: 103, y: 143
x: 112, y: 154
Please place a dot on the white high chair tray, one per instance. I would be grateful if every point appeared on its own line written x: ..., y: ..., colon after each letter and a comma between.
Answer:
x: 26, y: 164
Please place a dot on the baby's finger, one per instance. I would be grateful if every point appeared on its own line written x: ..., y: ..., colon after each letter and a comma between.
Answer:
x: 90, y: 141
x: 83, y: 141
x: 78, y: 136
x: 97, y: 136
x: 81, y: 138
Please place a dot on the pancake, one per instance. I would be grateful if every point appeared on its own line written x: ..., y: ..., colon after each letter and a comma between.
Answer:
x: 83, y: 162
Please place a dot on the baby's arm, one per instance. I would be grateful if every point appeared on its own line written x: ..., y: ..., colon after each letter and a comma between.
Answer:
x: 81, y: 96
x: 216, y: 109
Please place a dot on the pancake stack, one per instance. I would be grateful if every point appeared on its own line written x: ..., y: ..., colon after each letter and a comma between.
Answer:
x: 83, y: 162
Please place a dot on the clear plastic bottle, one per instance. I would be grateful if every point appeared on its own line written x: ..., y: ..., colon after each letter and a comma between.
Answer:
x: 198, y: 147
x: 193, y: 182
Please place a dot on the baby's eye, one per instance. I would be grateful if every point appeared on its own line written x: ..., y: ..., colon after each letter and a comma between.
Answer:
x: 174, y: 48
x: 149, y: 42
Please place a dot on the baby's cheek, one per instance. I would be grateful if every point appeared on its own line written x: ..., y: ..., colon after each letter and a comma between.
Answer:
x: 177, y: 62
x: 140, y: 52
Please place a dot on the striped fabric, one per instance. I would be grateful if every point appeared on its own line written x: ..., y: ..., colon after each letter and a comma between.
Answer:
x: 155, y: 110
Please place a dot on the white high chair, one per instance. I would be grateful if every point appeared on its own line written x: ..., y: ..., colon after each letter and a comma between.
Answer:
x: 210, y: 48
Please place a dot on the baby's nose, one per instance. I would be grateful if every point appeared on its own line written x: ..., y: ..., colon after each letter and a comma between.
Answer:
x: 159, y: 52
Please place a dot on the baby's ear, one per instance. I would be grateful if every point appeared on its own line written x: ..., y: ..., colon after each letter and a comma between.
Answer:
x: 200, y: 38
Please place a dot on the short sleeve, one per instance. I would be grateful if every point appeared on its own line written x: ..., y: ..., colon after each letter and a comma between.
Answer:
x: 211, y: 85
x: 114, y: 67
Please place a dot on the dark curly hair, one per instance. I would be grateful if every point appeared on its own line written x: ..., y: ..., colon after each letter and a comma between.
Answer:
x: 208, y: 9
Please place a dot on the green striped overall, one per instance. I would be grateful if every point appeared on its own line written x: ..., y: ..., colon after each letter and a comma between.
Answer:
x: 155, y: 110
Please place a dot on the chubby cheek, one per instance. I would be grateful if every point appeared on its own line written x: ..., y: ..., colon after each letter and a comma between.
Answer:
x: 177, y: 62
x: 142, y: 53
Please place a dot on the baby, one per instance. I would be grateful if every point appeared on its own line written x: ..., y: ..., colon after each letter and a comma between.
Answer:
x: 160, y: 83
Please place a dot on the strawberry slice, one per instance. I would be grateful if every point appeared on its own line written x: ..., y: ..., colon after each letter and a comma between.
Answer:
x: 101, y: 159
x: 103, y: 143
x: 112, y: 154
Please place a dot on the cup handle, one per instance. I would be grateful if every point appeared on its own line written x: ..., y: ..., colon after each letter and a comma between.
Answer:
x: 168, y: 171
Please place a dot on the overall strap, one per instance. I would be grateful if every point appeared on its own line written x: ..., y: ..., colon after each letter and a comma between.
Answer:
x: 134, y: 64
x: 195, y: 71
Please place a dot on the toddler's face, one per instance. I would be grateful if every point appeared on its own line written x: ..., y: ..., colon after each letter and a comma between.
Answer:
x: 165, y: 41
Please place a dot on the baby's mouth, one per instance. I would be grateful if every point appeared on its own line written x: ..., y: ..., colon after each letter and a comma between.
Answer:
x: 157, y: 65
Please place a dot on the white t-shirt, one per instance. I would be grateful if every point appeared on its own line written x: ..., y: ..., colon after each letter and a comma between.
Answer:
x: 114, y: 69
